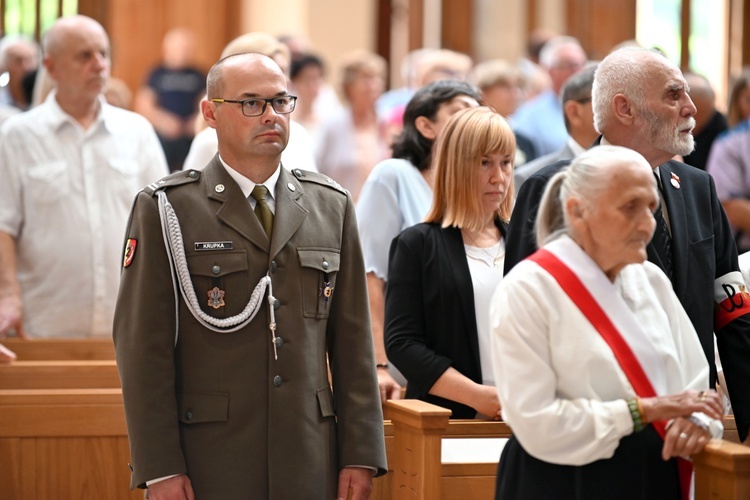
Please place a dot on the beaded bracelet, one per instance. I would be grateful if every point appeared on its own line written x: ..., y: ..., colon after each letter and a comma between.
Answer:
x: 636, y: 414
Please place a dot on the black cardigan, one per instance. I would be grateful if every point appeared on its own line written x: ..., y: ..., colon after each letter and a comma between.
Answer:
x: 430, y: 322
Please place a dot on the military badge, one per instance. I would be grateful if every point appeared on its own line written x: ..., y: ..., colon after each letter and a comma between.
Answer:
x: 129, y: 252
x: 216, y: 298
x: 327, y: 291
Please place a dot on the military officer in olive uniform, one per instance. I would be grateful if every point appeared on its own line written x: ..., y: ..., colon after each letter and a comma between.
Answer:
x: 227, y: 320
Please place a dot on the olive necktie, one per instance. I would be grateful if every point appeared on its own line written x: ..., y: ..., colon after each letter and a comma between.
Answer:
x: 262, y: 210
x: 662, y: 240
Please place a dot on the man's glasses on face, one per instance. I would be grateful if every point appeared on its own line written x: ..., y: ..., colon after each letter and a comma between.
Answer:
x: 256, y: 106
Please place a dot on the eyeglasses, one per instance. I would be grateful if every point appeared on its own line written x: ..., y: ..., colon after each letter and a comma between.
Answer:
x: 256, y: 106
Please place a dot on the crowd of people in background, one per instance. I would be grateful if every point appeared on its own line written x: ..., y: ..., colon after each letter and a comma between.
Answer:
x: 456, y: 179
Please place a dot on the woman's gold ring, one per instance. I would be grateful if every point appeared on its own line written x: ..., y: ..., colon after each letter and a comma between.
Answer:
x: 702, y: 395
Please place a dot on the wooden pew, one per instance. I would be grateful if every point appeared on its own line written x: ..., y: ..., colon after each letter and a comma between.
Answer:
x: 64, y: 444
x: 61, y: 349
x: 59, y: 375
x: 722, y: 470
x: 418, y: 430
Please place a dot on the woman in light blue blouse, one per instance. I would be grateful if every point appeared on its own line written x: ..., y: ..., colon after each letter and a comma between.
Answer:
x: 398, y: 194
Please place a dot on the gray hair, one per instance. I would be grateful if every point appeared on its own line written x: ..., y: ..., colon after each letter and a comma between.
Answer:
x: 584, y: 179
x: 621, y: 72
x: 578, y: 88
x: 10, y: 41
x: 550, y: 53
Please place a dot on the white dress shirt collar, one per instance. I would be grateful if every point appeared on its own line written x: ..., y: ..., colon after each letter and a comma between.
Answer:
x: 247, y: 186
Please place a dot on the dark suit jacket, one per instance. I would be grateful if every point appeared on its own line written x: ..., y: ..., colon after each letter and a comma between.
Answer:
x: 703, y: 250
x: 528, y: 169
x: 430, y: 322
x: 218, y: 406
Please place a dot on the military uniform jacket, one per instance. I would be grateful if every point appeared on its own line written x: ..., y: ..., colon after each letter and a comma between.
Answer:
x: 218, y: 406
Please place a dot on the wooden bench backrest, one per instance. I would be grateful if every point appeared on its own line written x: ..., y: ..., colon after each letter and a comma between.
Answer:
x: 61, y: 349
x: 722, y: 469
x: 59, y: 375
x: 69, y: 443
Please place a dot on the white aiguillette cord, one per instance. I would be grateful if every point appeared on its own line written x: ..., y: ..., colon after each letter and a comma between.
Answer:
x: 170, y: 226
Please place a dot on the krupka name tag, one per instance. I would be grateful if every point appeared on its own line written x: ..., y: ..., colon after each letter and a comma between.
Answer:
x: 213, y: 245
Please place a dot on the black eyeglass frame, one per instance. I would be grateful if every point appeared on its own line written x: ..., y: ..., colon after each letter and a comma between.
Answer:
x: 265, y: 100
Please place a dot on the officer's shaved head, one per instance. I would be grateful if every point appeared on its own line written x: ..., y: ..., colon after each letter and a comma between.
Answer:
x: 215, y: 78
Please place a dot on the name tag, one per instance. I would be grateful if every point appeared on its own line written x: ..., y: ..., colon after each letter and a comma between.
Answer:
x: 213, y: 245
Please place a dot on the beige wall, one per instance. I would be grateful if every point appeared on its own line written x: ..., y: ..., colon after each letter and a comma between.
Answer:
x: 334, y: 27
x: 264, y: 15
x: 550, y: 14
x: 503, y: 40
x: 339, y: 26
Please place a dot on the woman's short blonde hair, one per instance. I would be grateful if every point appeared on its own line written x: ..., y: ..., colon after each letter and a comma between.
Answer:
x: 468, y: 136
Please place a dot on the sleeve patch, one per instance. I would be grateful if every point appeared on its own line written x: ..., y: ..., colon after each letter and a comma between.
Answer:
x: 129, y: 252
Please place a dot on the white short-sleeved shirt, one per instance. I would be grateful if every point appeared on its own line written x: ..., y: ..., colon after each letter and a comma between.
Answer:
x: 65, y: 197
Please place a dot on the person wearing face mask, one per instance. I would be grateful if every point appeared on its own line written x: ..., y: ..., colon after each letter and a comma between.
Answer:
x: 398, y: 194
x: 442, y: 272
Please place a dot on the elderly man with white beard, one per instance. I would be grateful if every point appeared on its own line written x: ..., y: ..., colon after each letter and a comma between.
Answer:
x: 641, y: 102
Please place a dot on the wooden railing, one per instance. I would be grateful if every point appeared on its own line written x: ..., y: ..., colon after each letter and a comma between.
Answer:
x: 722, y: 470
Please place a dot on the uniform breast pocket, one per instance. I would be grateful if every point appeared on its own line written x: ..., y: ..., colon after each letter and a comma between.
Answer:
x: 221, y: 281
x: 319, y: 268
x: 48, y: 182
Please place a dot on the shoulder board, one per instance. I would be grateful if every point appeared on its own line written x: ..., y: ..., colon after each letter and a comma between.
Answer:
x: 318, y: 178
x: 175, y: 179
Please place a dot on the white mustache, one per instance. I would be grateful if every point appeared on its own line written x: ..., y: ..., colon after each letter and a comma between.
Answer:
x: 689, y: 123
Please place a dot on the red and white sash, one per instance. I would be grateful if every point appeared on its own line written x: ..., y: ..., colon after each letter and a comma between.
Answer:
x: 592, y: 292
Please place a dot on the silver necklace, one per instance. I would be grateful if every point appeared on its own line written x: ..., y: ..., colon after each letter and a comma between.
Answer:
x: 495, y: 259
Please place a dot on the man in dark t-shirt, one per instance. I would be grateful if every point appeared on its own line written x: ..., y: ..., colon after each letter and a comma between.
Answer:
x: 170, y: 96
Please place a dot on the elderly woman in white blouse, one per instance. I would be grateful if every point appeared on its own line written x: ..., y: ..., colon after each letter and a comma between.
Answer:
x: 599, y: 371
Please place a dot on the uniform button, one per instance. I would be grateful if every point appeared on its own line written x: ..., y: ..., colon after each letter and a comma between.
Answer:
x: 216, y: 269
x: 276, y: 304
x: 277, y: 381
x: 273, y: 266
x: 279, y: 342
x: 188, y: 415
x: 325, y: 264
x: 193, y: 174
